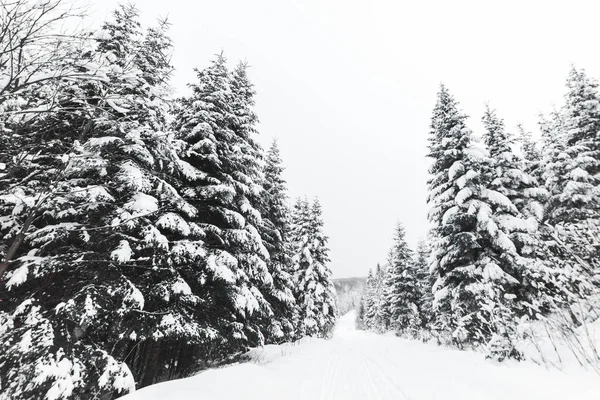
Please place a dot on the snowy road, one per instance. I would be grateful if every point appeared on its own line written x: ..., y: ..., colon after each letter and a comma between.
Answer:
x: 361, y: 365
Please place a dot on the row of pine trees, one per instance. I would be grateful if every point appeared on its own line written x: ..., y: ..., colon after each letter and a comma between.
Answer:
x: 514, y: 234
x: 143, y: 237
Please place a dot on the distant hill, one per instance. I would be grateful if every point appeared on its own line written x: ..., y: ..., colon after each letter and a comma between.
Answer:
x: 348, y: 292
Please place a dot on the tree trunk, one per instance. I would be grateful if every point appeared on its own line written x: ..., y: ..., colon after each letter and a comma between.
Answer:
x: 16, y: 244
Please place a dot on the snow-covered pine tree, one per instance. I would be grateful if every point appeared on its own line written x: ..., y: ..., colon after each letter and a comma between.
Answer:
x: 368, y: 301
x: 383, y: 307
x: 41, y: 71
x: 571, y: 152
x: 35, y: 208
x: 402, y: 294
x: 276, y: 232
x: 94, y: 283
x: 425, y: 284
x: 543, y: 282
x: 582, y: 125
x: 360, y: 314
x: 529, y: 151
x: 557, y: 247
x: 378, y: 315
x: 553, y: 150
x: 315, y: 293
x: 572, y: 166
x: 214, y: 127
x: 474, y: 262
x: 508, y: 175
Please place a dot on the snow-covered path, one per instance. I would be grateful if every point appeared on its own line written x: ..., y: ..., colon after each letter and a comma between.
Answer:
x: 362, y: 365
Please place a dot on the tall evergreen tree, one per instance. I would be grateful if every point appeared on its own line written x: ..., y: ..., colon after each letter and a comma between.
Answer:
x: 425, y: 285
x: 529, y: 151
x: 360, y: 314
x: 474, y: 260
x: 379, y: 318
x: 276, y: 228
x: 508, y: 175
x: 582, y: 124
x: 571, y: 152
x: 402, y: 294
x: 98, y: 249
x: 369, y: 301
x: 571, y: 168
x: 315, y: 293
x: 540, y: 289
x: 222, y: 180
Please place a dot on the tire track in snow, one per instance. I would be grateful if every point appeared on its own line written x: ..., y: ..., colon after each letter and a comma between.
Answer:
x: 399, y: 393
x: 328, y: 388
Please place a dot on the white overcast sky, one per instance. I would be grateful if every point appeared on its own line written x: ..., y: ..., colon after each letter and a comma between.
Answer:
x: 348, y: 87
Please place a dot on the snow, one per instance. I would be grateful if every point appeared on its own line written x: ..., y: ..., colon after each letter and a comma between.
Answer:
x: 142, y: 203
x: 363, y: 365
x: 64, y: 372
x: 25, y: 343
x: 181, y: 287
x: 133, y: 177
x: 174, y: 223
x: 18, y: 276
x: 455, y: 169
x: 223, y: 266
x: 122, y: 253
x: 119, y: 373
x: 246, y: 300
x: 153, y: 235
x: 556, y: 343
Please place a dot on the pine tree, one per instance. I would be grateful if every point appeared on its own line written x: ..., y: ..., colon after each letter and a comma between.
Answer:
x: 315, y: 293
x: 425, y: 285
x: 222, y: 180
x: 474, y: 260
x: 571, y: 168
x: 42, y: 71
x: 529, y: 151
x: 571, y: 153
x: 538, y: 292
x: 402, y: 295
x: 508, y: 175
x: 276, y: 228
x: 582, y: 124
x: 98, y: 248
x: 369, y: 301
x: 360, y: 314
x: 380, y: 317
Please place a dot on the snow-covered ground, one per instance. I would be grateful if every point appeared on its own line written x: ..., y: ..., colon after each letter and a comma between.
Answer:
x: 363, y: 365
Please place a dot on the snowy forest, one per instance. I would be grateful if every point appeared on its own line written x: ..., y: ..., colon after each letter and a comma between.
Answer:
x: 514, y: 241
x: 144, y: 237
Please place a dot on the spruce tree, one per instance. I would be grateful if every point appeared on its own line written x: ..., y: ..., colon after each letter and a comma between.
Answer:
x: 276, y: 228
x: 571, y: 169
x: 508, y: 173
x: 474, y: 261
x: 214, y: 128
x: 360, y: 314
x: 571, y: 153
x: 529, y: 151
x: 582, y: 125
x: 539, y: 291
x: 403, y: 290
x: 98, y: 248
x: 315, y: 293
x: 369, y: 301
x: 379, y: 321
x: 425, y: 284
